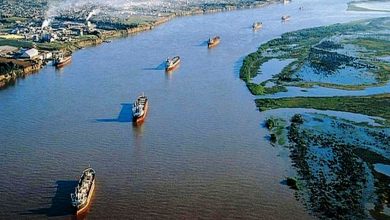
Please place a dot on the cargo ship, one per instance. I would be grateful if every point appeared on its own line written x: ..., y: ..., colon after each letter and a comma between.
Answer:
x: 286, y: 17
x: 257, y: 26
x: 171, y: 64
x: 140, y: 108
x: 81, y: 198
x: 213, y: 41
x: 62, y: 61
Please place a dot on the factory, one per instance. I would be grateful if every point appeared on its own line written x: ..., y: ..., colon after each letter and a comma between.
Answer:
x: 58, y: 31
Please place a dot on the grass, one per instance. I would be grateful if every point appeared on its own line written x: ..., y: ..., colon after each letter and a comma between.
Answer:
x: 14, y: 19
x: 16, y: 43
x: 88, y: 37
x: 260, y: 89
x: 374, y: 105
x: 334, y: 86
x: 379, y: 46
x: 11, y: 36
x: 278, y: 133
x: 139, y: 20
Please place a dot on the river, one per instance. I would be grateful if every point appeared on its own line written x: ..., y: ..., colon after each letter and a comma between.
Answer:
x: 202, y: 151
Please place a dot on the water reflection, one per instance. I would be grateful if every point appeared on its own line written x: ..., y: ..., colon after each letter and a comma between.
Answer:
x: 138, y: 131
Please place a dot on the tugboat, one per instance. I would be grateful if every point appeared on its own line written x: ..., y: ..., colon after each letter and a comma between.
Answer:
x: 257, y: 26
x: 62, y: 61
x: 213, y: 41
x: 286, y: 17
x: 171, y: 64
x: 81, y: 198
x: 140, y: 108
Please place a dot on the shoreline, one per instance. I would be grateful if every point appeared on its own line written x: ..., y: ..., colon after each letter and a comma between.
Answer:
x: 356, y: 6
x: 10, y: 78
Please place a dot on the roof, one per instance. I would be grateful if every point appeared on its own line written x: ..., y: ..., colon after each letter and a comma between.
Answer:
x: 30, y: 53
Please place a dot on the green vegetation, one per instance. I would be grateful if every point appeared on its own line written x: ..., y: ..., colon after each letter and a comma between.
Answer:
x: 319, y: 48
x: 139, y: 21
x: 29, y: 44
x: 276, y: 126
x: 333, y: 180
x: 6, y: 68
x: 374, y: 105
x: 373, y: 45
x: 88, y: 37
x: 12, y: 20
x: 261, y: 89
x: 292, y: 182
x: 16, y: 43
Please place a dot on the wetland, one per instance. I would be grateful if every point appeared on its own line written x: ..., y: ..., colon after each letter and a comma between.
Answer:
x: 338, y: 143
x: 341, y: 56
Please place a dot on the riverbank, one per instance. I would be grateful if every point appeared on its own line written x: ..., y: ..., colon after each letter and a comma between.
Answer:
x: 19, y: 71
x: 11, y: 70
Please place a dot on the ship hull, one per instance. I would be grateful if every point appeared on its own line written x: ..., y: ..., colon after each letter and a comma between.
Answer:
x: 83, y: 208
x: 172, y: 67
x: 257, y: 26
x: 140, y: 119
x: 214, y: 43
x: 63, y: 63
x: 175, y: 64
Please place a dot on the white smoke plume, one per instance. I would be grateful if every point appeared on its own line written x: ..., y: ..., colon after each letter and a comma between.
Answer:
x: 92, y: 13
x: 55, y: 7
x: 46, y: 23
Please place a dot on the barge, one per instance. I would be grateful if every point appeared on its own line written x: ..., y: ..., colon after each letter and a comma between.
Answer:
x: 172, y: 64
x: 212, y: 42
x: 81, y: 198
x: 62, y: 61
x: 257, y: 25
x: 286, y: 17
x: 140, y: 108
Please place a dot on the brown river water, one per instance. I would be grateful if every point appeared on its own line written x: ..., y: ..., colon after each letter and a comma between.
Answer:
x: 202, y: 151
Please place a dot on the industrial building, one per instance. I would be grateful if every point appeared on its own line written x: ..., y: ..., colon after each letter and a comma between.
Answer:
x: 30, y: 53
